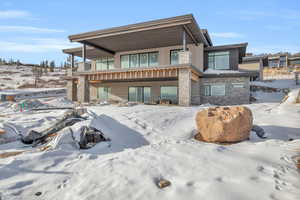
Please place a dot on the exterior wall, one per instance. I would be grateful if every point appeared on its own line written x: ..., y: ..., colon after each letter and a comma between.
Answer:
x: 164, y: 55
x: 184, y: 87
x: 195, y: 90
x: 233, y: 96
x: 119, y: 90
x: 233, y: 58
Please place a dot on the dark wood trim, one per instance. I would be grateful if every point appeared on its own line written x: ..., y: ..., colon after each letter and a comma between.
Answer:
x: 98, y: 47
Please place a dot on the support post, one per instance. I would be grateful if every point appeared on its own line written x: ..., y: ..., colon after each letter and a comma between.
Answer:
x: 84, y: 53
x: 72, y: 61
x: 184, y: 40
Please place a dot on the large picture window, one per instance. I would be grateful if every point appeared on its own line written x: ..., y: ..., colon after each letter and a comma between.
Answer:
x: 104, y: 93
x: 139, y: 94
x: 215, y: 90
x: 105, y: 63
x: 169, y: 92
x: 139, y: 60
x: 218, y: 60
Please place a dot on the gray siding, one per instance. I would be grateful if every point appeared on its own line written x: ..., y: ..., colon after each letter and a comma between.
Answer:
x: 233, y: 58
x: 233, y: 95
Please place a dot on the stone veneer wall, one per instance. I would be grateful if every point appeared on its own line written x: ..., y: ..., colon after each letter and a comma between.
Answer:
x: 233, y: 96
x: 196, y: 98
x: 184, y: 87
x: 83, y: 89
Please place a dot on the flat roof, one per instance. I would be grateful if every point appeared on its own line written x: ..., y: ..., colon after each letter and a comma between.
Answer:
x: 225, y: 47
x: 145, y: 35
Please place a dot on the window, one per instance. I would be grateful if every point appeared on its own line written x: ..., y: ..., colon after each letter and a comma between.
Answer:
x: 169, y: 92
x: 218, y: 60
x: 153, y: 59
x: 144, y: 60
x: 139, y: 94
x: 105, y: 63
x: 103, y: 93
x: 295, y: 62
x: 125, y: 61
x: 238, y: 85
x: 273, y: 63
x: 139, y: 60
x: 134, y: 60
x: 207, y: 90
x: 174, y: 56
x: 282, y: 61
x: 214, y: 90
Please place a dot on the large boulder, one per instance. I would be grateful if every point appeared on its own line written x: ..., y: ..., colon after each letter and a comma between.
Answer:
x: 224, y: 124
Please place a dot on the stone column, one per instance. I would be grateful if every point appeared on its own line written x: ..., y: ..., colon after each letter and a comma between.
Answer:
x: 71, y: 90
x: 184, y: 87
x: 83, y: 89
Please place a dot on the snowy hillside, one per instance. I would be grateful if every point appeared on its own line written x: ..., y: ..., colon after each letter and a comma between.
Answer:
x: 13, y: 77
x: 148, y: 143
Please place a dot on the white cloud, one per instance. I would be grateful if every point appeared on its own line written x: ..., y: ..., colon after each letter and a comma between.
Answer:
x: 11, y: 14
x: 227, y: 35
x: 28, y: 29
x: 36, y: 45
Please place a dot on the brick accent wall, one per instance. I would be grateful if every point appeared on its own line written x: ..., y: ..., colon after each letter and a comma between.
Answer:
x: 233, y: 96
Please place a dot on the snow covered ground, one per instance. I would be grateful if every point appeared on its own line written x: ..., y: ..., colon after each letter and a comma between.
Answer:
x: 153, y: 142
x: 13, y: 77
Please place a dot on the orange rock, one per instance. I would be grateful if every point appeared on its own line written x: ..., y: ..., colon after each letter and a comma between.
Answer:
x: 2, y: 131
x: 224, y: 124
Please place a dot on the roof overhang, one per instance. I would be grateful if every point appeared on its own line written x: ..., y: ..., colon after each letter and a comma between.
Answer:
x: 241, y: 48
x: 146, y: 35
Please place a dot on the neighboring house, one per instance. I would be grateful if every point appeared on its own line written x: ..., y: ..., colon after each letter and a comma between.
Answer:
x: 279, y: 59
x: 170, y: 59
x: 254, y: 64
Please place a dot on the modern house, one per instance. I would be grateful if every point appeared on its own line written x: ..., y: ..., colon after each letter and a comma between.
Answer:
x: 168, y: 59
x: 284, y: 60
x: 275, y: 60
x: 254, y: 64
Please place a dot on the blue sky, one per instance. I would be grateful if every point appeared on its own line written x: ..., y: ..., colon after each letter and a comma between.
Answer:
x: 33, y: 30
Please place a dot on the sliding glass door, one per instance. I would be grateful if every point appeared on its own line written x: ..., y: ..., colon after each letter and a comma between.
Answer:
x: 139, y: 94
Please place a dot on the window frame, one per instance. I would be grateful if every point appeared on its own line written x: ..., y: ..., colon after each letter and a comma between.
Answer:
x: 138, y: 57
x: 143, y: 94
x: 105, y: 61
x: 208, y: 90
x: 108, y: 93
x: 211, y: 58
x: 177, y: 88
